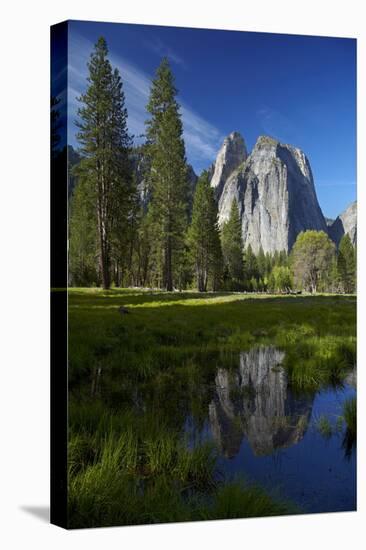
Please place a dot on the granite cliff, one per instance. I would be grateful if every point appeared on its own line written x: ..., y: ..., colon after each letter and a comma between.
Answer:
x: 274, y: 189
x: 345, y: 223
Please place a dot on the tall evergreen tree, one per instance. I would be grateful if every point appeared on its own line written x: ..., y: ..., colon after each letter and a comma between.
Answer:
x: 204, y: 235
x: 269, y: 263
x: 232, y: 244
x: 261, y: 263
x: 140, y: 271
x: 346, y: 264
x: 104, y: 146
x: 127, y: 220
x: 250, y: 264
x: 334, y: 279
x: 276, y: 258
x: 283, y: 258
x: 168, y: 176
x: 83, y: 265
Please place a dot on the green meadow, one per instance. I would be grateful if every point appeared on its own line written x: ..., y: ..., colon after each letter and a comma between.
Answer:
x: 135, y: 376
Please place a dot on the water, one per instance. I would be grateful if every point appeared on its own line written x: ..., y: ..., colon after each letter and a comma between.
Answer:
x: 265, y: 432
x: 268, y: 434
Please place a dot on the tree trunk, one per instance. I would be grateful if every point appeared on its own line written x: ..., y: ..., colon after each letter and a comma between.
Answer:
x: 103, y: 238
x: 105, y: 260
x: 105, y: 271
x: 168, y: 266
x: 200, y: 281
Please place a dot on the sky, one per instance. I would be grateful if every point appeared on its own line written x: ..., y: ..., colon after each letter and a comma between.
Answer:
x: 300, y: 90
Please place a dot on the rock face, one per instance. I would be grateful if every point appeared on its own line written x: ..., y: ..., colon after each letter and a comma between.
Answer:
x: 345, y: 223
x: 275, y: 192
x: 231, y: 155
x: 256, y: 403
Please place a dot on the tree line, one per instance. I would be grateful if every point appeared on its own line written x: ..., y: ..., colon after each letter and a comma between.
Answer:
x: 152, y: 231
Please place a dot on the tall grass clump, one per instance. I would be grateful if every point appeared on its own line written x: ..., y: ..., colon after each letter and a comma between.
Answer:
x: 324, y: 426
x: 319, y: 360
x: 138, y: 473
x: 237, y: 500
x: 103, y: 495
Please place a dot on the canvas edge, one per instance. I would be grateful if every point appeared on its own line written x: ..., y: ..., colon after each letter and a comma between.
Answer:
x: 58, y: 302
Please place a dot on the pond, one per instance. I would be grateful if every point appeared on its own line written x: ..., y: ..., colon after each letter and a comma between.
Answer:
x: 226, y: 407
x: 244, y: 408
x: 296, y: 445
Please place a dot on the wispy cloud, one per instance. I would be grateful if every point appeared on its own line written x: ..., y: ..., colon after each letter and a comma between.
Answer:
x: 276, y: 124
x: 163, y: 50
x: 202, y: 139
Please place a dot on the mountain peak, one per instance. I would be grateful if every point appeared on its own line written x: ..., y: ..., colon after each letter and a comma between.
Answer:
x: 232, y: 153
x: 345, y: 223
x: 262, y: 141
x: 275, y: 193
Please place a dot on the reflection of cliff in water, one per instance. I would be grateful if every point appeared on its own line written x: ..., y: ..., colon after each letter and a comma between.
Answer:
x: 255, y: 402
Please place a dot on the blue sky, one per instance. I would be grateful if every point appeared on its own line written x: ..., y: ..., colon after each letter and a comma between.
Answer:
x: 300, y: 90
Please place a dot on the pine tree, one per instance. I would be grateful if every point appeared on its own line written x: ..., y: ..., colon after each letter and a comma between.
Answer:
x: 269, y: 263
x: 204, y: 236
x: 127, y: 221
x: 283, y: 258
x: 217, y: 269
x: 261, y: 263
x: 232, y: 244
x: 334, y: 282
x: 105, y: 144
x: 346, y: 264
x: 83, y: 270
x: 250, y: 264
x: 168, y: 176
x: 276, y: 258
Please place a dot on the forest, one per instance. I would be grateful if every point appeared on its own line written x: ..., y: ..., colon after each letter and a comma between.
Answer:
x: 234, y: 396
x: 136, y: 218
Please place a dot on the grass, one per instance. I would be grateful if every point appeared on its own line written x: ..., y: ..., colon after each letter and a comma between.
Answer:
x: 124, y: 470
x: 167, y: 330
x: 324, y: 426
x: 173, y: 484
x: 129, y: 461
x: 106, y: 498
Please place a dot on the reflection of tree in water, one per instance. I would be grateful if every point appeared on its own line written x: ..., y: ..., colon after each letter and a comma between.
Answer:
x: 349, y: 442
x: 255, y: 402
